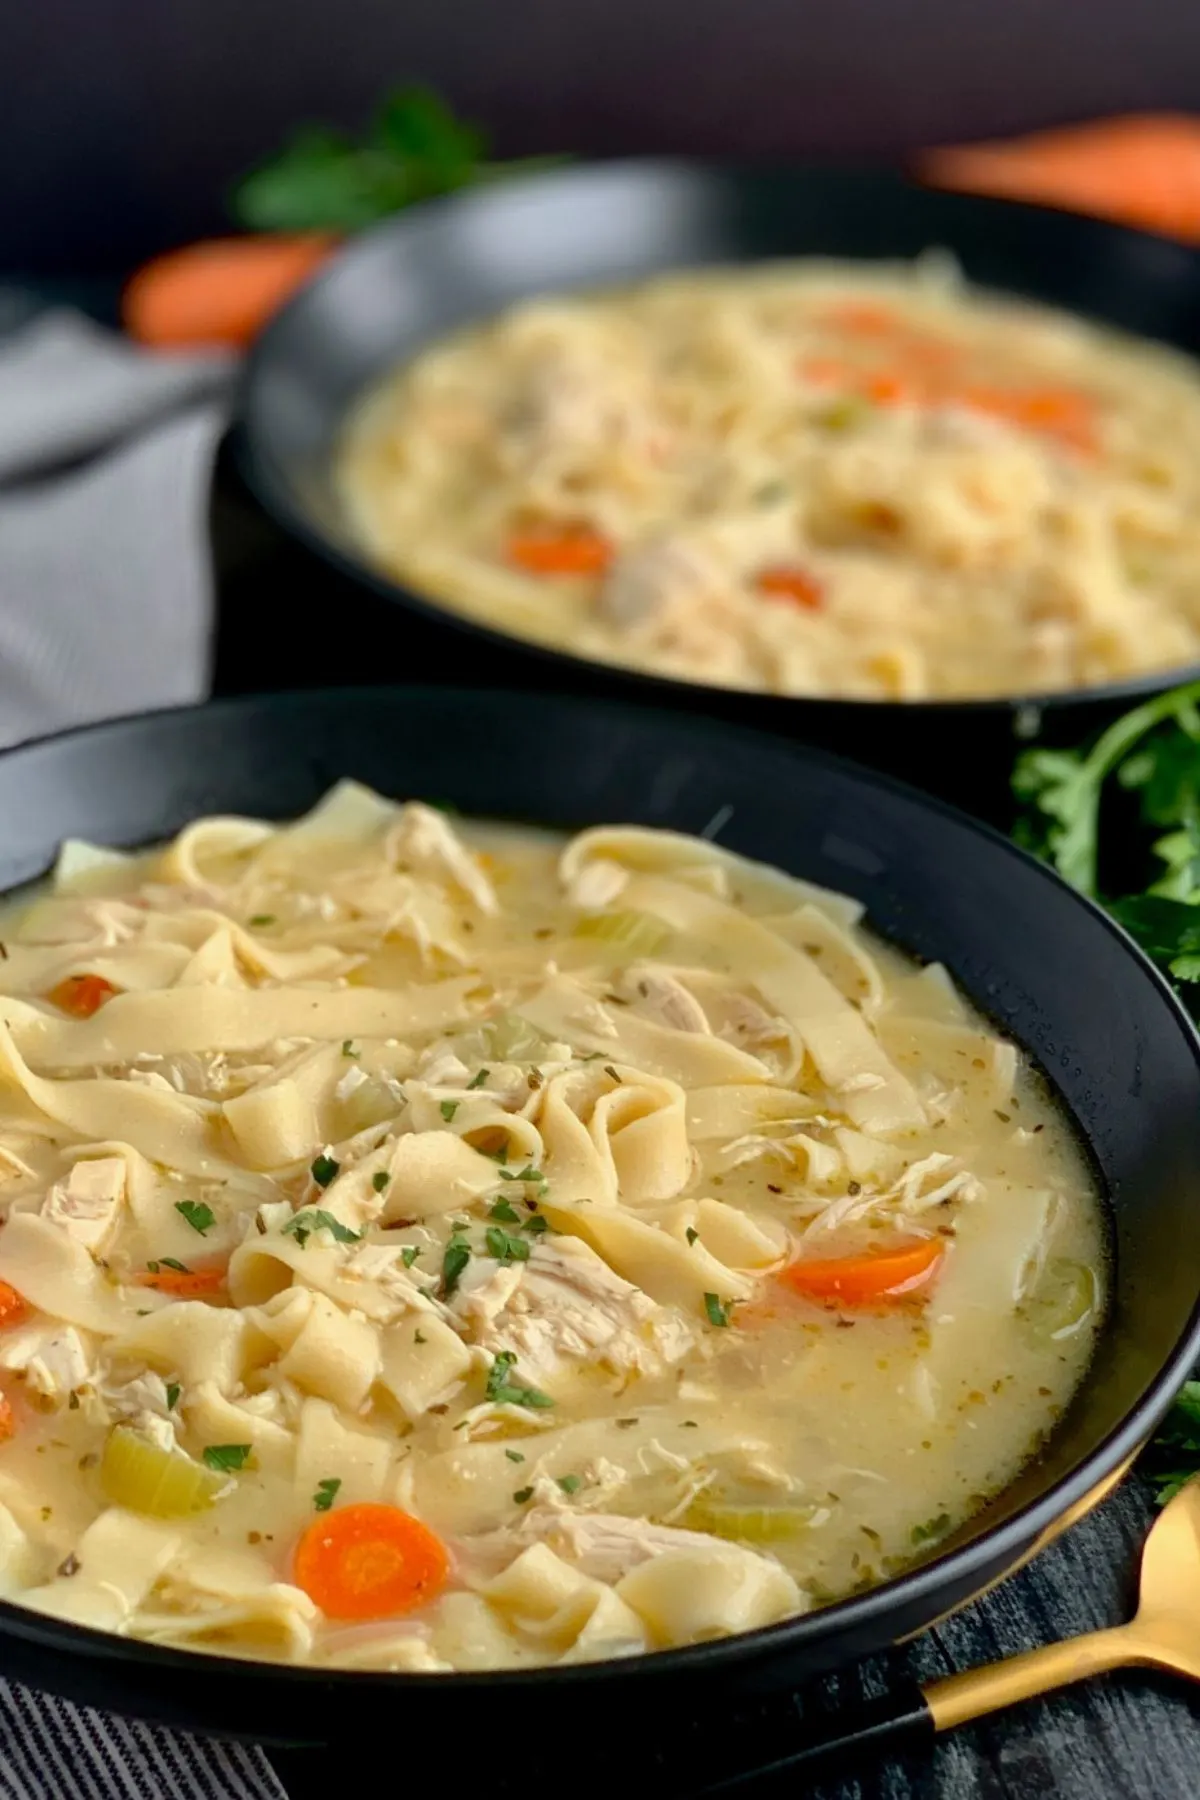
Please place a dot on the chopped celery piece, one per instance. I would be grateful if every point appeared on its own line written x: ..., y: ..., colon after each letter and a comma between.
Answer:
x: 748, y: 1524
x: 510, y: 1039
x: 1064, y: 1299
x: 370, y: 1103
x: 164, y: 1483
x: 629, y: 933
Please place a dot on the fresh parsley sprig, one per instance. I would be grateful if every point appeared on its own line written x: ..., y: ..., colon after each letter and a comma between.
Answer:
x: 414, y: 149
x: 1174, y: 1456
x: 301, y: 1226
x: 1153, y: 754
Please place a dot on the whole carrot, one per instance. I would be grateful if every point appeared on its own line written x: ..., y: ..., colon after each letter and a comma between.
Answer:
x: 221, y: 292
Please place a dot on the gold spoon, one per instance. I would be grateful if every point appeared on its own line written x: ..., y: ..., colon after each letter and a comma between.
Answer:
x: 1164, y: 1633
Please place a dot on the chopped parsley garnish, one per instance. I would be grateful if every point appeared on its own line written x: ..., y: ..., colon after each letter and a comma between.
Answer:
x: 612, y: 1073
x: 522, y: 1495
x: 514, y: 1456
x: 931, y: 1530
x: 419, y: 1337
x: 570, y: 1484
x: 350, y: 1048
x: 201, y: 1218
x: 409, y: 1254
x: 262, y: 919
x: 478, y: 1080
x: 326, y: 1493
x: 691, y: 1234
x: 504, y: 1209
x: 535, y: 1225
x: 314, y: 1218
x: 529, y: 1173
x: 324, y: 1170
x: 455, y: 1258
x: 226, y: 1457
x: 173, y: 1393
x: 504, y: 1246
x: 448, y: 1108
x: 380, y: 1180
x: 508, y: 1393
x: 168, y: 1262
x: 718, y: 1311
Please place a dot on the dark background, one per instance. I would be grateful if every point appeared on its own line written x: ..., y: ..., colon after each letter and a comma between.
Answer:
x: 122, y: 122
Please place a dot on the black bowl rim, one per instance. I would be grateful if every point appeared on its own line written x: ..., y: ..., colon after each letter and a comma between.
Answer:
x: 1001, y: 1544
x: 273, y: 493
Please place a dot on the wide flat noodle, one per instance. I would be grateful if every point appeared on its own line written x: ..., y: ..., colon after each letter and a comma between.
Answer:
x: 231, y: 1020
x: 845, y: 1050
x: 563, y: 1009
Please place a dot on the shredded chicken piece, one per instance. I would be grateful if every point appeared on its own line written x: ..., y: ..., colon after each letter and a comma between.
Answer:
x: 484, y: 1291
x: 53, y: 1359
x: 87, y: 1204
x: 607, y: 1545
x: 102, y: 922
x: 664, y: 999
x: 137, y: 1398
x: 749, y: 1024
x: 567, y: 1305
x: 571, y: 400
x: 422, y: 839
x: 652, y: 583
x: 442, y: 1068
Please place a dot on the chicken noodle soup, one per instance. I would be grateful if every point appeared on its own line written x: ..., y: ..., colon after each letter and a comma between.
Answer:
x: 809, y: 479
x: 434, y: 1247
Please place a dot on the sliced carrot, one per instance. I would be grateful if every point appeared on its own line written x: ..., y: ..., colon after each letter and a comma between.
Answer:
x: 564, y: 550
x: 8, y: 1419
x: 888, y: 390
x: 81, y: 995
x: 220, y: 292
x: 875, y: 1278
x: 789, y: 583
x: 14, y: 1308
x: 183, y: 1284
x: 863, y: 318
x: 1063, y: 413
x: 369, y: 1562
x: 831, y: 371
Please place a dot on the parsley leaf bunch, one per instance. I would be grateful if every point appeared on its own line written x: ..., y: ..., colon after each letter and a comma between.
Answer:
x: 322, y: 180
x: 1153, y: 755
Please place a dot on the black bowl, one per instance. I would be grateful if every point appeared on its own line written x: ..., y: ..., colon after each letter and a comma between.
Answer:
x: 1048, y: 967
x: 425, y: 273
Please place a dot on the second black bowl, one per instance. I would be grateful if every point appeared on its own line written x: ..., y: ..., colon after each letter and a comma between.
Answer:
x: 393, y: 291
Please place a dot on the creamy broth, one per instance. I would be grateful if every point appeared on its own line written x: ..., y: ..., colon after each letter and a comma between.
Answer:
x: 808, y: 479
x: 435, y: 1246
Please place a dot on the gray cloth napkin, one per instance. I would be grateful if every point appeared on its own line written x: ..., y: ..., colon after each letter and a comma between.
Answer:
x: 105, y: 585
x: 105, y: 608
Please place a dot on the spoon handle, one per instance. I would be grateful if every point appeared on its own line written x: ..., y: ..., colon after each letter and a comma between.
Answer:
x: 907, y: 1718
x: 897, y: 1722
x: 974, y: 1692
